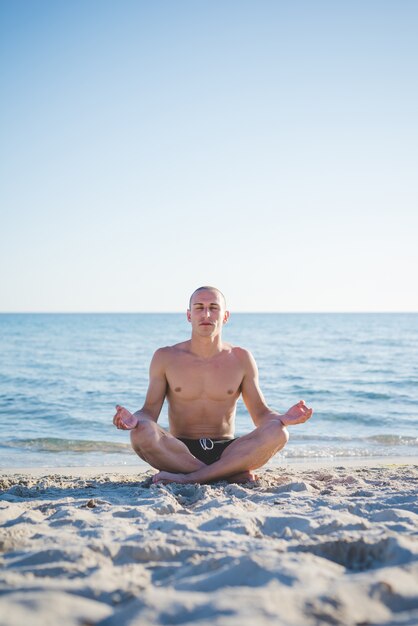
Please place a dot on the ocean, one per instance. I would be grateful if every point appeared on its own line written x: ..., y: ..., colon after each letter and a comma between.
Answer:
x: 62, y: 374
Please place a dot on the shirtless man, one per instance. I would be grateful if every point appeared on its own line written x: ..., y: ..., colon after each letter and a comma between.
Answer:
x: 202, y: 379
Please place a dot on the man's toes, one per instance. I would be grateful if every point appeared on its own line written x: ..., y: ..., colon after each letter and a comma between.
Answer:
x: 165, y: 477
x: 243, y: 477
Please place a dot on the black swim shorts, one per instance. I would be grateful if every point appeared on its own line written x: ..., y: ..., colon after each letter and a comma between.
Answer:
x: 207, y: 450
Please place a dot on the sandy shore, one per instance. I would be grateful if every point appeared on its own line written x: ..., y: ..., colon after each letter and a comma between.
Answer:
x: 302, y: 546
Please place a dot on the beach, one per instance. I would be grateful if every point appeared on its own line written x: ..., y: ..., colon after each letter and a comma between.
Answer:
x: 303, y: 545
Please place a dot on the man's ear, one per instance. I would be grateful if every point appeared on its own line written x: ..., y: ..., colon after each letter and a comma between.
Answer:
x: 188, y: 314
x: 226, y: 317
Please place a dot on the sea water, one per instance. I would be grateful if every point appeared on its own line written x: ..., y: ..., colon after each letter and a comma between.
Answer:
x: 62, y: 374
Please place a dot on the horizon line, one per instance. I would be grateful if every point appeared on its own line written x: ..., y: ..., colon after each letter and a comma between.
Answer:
x: 290, y: 312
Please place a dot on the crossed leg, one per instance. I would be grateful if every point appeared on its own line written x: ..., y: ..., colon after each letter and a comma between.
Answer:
x: 161, y: 450
x: 247, y: 453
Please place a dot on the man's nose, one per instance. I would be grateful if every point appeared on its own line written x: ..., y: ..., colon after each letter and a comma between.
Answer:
x: 207, y: 312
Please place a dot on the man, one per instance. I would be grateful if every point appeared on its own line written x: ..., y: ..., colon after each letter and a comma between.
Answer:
x: 202, y: 379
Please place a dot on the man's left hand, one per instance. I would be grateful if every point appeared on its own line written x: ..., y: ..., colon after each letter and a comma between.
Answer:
x: 297, y: 414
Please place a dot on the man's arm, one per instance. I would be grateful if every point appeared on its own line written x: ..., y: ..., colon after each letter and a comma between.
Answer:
x: 154, y: 400
x: 256, y: 404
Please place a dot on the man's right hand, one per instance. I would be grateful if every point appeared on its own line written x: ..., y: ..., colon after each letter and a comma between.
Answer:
x: 123, y: 419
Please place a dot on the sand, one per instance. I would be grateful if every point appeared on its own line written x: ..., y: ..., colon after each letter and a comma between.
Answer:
x: 301, y: 546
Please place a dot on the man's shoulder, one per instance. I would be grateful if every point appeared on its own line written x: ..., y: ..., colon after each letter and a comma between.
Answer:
x: 238, y: 350
x: 242, y: 354
x: 170, y: 351
x: 164, y: 357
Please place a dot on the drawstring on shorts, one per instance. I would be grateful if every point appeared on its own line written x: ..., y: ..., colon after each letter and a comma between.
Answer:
x: 207, y: 444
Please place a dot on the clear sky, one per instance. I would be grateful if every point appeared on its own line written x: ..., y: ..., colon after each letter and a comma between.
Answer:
x: 267, y: 147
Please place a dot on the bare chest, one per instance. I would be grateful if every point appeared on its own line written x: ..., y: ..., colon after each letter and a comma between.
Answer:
x: 215, y: 379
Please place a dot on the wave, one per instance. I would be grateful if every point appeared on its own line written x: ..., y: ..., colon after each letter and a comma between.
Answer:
x: 371, y: 395
x: 304, y: 445
x: 355, y: 418
x: 330, y: 359
x: 341, y: 453
x: 55, y: 444
x: 383, y: 439
x: 310, y: 391
x: 394, y: 440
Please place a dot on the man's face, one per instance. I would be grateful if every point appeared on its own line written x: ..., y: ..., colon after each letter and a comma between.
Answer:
x: 207, y: 313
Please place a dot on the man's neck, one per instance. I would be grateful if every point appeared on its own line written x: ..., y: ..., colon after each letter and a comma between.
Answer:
x: 206, y: 347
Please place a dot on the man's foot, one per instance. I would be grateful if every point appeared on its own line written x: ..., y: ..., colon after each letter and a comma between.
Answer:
x: 168, y: 477
x: 243, y: 477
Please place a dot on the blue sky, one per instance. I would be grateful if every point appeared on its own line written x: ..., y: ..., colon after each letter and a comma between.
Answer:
x: 269, y: 148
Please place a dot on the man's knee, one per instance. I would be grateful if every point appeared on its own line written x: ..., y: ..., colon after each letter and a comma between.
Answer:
x: 278, y: 432
x: 144, y: 436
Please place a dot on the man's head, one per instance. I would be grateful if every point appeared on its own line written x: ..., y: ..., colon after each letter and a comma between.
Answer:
x: 207, y: 288
x: 207, y: 310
